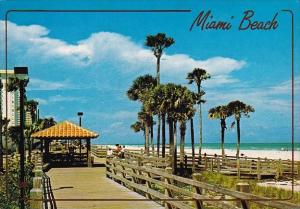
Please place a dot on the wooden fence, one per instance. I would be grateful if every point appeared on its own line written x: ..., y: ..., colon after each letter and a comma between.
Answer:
x: 230, y: 165
x: 183, y: 193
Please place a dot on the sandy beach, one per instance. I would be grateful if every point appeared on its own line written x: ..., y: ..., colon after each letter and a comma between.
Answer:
x: 271, y: 154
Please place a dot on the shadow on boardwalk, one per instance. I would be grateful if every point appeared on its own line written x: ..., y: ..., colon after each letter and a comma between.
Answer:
x: 91, y: 183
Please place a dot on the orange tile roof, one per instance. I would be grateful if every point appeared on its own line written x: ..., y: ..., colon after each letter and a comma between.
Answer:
x: 65, y: 130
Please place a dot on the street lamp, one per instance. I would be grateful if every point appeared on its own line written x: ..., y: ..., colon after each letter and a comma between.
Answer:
x: 80, y: 114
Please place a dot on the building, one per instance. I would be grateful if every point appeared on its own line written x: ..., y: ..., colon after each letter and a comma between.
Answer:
x: 13, y: 98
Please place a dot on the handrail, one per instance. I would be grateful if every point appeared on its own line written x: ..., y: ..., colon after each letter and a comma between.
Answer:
x: 123, y: 170
x: 48, y: 199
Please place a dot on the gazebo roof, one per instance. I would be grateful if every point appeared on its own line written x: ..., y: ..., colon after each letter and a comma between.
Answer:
x: 65, y: 130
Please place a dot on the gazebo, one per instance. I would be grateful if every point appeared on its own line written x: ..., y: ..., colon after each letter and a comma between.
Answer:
x: 67, y: 134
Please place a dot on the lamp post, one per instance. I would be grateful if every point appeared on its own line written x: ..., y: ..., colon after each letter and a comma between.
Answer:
x: 18, y: 83
x: 80, y: 114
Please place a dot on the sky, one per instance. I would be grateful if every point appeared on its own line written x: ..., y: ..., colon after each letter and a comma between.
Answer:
x: 87, y: 61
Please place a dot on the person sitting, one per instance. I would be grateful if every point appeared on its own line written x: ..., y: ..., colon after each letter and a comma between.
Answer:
x: 109, y: 152
x: 122, y: 153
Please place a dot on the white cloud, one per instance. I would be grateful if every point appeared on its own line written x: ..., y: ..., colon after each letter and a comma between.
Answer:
x: 274, y: 98
x: 41, y: 101
x: 115, y: 49
x: 38, y: 84
x: 59, y: 98
x: 119, y: 115
x: 286, y: 87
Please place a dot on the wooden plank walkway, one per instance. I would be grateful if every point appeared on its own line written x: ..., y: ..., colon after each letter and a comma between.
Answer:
x: 92, y: 183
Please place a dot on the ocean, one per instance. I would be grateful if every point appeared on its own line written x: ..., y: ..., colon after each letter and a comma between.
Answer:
x: 243, y: 146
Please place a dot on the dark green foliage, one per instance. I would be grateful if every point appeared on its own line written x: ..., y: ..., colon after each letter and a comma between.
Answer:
x: 11, y: 200
x: 140, y: 85
x: 158, y: 43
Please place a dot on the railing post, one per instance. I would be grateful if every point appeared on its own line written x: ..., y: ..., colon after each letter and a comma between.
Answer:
x: 243, y: 187
x: 168, y: 193
x: 238, y: 166
x: 36, y: 193
x: 258, y: 168
x: 280, y: 167
x: 205, y: 162
x: 36, y: 196
x: 185, y: 162
x: 218, y: 164
x: 148, y: 184
x: 298, y: 169
x: 198, y: 203
x: 107, y: 163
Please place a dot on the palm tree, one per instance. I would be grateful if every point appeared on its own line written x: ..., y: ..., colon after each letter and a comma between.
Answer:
x: 220, y: 112
x: 158, y: 43
x: 14, y: 133
x: 30, y: 106
x: 155, y: 102
x: 239, y: 109
x: 198, y: 75
x: 137, y: 127
x: 145, y: 118
x: 139, y: 87
x: 184, y: 112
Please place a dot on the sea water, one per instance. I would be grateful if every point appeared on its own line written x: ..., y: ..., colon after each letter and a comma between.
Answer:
x: 243, y: 146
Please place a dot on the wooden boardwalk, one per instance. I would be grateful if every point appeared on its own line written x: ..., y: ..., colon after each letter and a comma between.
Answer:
x: 90, y: 183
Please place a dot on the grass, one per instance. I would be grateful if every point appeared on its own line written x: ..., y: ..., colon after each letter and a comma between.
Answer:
x: 230, y: 183
x: 271, y: 192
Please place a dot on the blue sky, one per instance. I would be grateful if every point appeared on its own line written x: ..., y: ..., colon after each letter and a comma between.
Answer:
x: 87, y: 61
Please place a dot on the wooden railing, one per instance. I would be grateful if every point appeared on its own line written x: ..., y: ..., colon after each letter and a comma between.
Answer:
x: 41, y: 195
x: 100, y: 152
x: 178, y: 192
x: 244, y: 166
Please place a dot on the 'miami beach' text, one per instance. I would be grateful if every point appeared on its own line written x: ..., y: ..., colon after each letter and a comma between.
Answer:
x: 206, y: 21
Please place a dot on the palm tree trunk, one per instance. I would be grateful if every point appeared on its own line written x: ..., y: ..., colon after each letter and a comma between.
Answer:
x: 147, y: 140
x: 171, y: 136
x: 182, y: 140
x: 1, y: 154
x: 158, y: 134
x: 158, y: 69
x: 200, y: 127
x: 158, y: 116
x: 151, y: 135
x: 192, y: 143
x: 163, y: 130
x: 238, y: 138
x: 223, y: 137
x: 175, y: 149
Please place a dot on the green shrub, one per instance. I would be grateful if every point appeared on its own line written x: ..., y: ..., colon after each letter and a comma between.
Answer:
x: 10, y: 200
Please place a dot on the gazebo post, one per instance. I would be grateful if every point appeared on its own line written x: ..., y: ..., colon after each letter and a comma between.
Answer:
x: 47, y: 146
x: 88, y: 150
x: 80, y: 150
